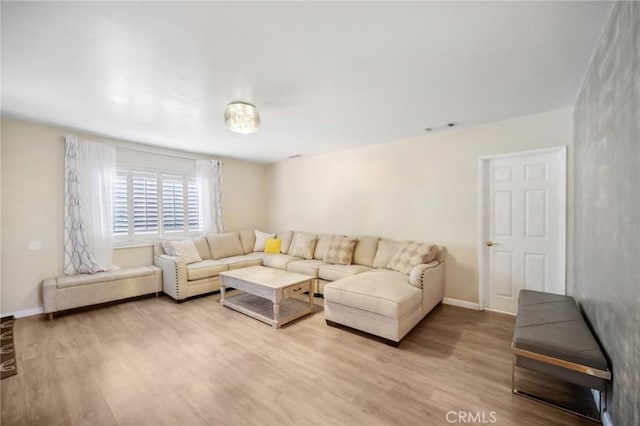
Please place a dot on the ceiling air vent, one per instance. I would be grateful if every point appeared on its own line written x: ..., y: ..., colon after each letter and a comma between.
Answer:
x: 440, y: 127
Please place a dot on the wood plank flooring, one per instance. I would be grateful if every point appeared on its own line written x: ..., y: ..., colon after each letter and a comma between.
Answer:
x: 155, y: 362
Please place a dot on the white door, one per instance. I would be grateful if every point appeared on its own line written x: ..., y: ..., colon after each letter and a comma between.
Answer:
x: 524, y: 204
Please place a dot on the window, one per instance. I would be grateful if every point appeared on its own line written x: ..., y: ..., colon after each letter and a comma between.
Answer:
x: 154, y: 204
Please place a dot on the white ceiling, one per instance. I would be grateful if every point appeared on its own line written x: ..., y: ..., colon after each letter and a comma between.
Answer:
x: 324, y: 76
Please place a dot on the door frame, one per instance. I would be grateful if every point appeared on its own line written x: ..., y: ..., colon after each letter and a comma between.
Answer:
x: 483, y: 203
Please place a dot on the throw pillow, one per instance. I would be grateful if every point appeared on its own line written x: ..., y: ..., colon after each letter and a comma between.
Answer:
x: 340, y: 251
x: 261, y: 237
x: 167, y: 248
x: 410, y: 254
x: 187, y: 250
x: 303, y: 245
x: 386, y: 249
x: 272, y: 245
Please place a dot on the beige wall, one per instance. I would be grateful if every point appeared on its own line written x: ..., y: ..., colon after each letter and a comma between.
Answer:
x: 424, y: 188
x: 32, y: 179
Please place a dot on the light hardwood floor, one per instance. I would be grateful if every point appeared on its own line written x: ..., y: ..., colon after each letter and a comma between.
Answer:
x: 155, y: 362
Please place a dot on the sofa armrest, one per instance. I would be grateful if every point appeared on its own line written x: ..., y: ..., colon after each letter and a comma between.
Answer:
x: 49, y: 287
x: 418, y: 273
x: 174, y: 275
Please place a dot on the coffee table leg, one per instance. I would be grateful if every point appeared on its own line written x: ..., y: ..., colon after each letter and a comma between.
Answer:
x: 222, y: 294
x: 276, y: 312
x: 311, y: 295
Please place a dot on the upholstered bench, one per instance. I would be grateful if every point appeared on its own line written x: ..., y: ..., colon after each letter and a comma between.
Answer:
x: 74, y: 291
x: 551, y: 337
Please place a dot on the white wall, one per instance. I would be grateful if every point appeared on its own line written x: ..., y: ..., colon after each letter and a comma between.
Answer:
x: 424, y: 188
x: 32, y: 160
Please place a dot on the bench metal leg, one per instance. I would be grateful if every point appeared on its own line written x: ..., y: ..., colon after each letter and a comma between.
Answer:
x: 551, y: 403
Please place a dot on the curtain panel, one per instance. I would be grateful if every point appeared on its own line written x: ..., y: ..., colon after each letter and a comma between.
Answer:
x: 209, y: 175
x: 90, y: 172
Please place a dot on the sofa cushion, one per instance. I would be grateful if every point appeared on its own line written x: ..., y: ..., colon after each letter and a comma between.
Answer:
x: 100, y: 277
x: 306, y: 267
x: 272, y: 245
x: 242, y: 261
x: 261, y: 238
x: 410, y: 254
x: 258, y: 255
x: 386, y: 249
x: 303, y: 245
x: 285, y: 237
x: 386, y: 293
x: 203, y: 247
x: 321, y: 246
x: 248, y: 240
x: 225, y: 245
x: 186, y: 249
x: 340, y: 250
x: 336, y: 272
x: 205, y: 269
x: 279, y: 261
x: 365, y: 251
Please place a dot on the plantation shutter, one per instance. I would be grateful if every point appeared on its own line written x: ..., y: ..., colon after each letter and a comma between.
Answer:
x: 145, y: 204
x: 120, y: 205
x: 172, y: 203
x: 193, y: 206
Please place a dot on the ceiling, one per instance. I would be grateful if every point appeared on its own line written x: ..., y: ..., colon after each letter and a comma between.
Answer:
x: 324, y: 76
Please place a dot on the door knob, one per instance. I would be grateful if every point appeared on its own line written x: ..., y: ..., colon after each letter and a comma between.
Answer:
x: 489, y: 243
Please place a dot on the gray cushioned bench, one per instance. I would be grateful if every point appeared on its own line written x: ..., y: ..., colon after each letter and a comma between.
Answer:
x: 552, y: 337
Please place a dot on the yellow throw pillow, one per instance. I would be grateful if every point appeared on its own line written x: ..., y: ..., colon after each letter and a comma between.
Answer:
x: 272, y: 245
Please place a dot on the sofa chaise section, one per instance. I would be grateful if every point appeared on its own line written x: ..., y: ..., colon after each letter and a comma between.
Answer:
x: 385, y: 303
x: 75, y: 291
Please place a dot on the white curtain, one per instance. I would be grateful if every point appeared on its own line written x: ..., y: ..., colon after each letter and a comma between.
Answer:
x: 209, y: 175
x: 90, y: 173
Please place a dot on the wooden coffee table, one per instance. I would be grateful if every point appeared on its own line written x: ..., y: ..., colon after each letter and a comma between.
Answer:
x: 266, y: 294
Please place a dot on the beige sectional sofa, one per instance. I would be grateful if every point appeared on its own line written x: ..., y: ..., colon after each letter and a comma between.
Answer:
x: 373, y: 289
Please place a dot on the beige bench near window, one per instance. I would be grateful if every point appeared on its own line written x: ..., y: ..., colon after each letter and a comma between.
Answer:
x: 75, y: 291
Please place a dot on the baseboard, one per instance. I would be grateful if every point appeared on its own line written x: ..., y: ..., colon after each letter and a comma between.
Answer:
x: 461, y: 303
x: 500, y: 312
x: 25, y: 313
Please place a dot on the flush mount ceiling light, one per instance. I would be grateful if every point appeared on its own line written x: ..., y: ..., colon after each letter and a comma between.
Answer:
x: 241, y: 117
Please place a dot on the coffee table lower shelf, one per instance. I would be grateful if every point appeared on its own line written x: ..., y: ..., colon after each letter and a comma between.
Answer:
x: 262, y: 309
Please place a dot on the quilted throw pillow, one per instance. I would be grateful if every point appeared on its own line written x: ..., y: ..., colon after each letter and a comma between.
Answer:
x: 340, y: 251
x: 410, y: 254
x: 303, y: 245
